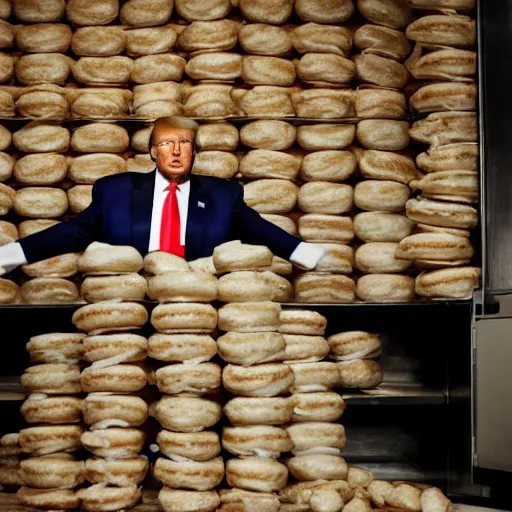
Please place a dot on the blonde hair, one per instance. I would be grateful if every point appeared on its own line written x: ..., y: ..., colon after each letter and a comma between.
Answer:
x: 183, y: 123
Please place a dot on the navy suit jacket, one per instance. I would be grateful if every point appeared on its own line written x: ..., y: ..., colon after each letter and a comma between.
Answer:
x: 120, y: 214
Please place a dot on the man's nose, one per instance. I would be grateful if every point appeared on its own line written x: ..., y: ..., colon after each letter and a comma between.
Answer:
x: 176, y: 150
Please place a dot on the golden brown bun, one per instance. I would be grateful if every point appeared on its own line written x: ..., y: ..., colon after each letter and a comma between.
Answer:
x: 114, y: 442
x: 338, y: 259
x: 462, y: 5
x: 316, y: 435
x: 100, y: 138
x: 49, y: 290
x: 455, y: 283
x: 382, y: 226
x: 382, y: 41
x: 6, y: 166
x: 43, y: 38
x: 385, y: 288
x: 80, y: 197
x: 302, y: 321
x: 262, y: 39
x: 7, y: 198
x: 139, y: 13
x: 41, y: 169
x: 198, y: 379
x: 318, y: 466
x: 256, y: 440
x: 157, y: 68
x: 219, y: 164
x: 427, y: 228
x: 217, y: 137
x: 48, y: 498
x: 40, y: 68
x: 325, y: 197
x: 264, y: 11
x: 55, y: 348
x: 6, y: 138
x: 271, y: 196
x: 301, y: 348
x: 89, y: 168
x: 249, y: 317
x: 42, y: 202
x: 199, y: 476
x: 330, y: 165
x: 359, y: 477
x: 6, y: 67
x: 314, y: 376
x: 435, y: 246
x: 445, y: 128
x: 325, y: 136
x: 148, y: 41
x: 379, y: 258
x: 283, y: 222
x: 116, y: 379
x: 209, y: 100
x: 249, y: 286
x: 198, y: 446
x: 444, y: 96
x: 52, y: 379
x: 325, y: 68
x: 326, y: 406
x: 141, y: 164
x: 95, y: 12
x: 441, y: 213
x: 120, y: 472
x: 131, y: 347
x: 62, y: 409
x: 101, y: 103
x: 259, y: 411
x: 100, y: 258
x: 456, y: 31
x: 6, y: 34
x: 346, y: 346
x: 332, y: 11
x: 384, y: 165
x: 260, y: 380
x: 193, y: 10
x: 378, y: 195
x: 184, y: 318
x: 208, y: 35
x: 105, y: 409
x: 8, y: 232
x: 392, y: 13
x: 98, y: 41
x: 8, y: 291
x: 54, y: 471
x: 324, y: 103
x: 460, y: 186
x: 387, y: 135
x: 182, y: 286
x: 101, y: 498
x: 452, y: 157
x: 238, y: 499
x: 223, y: 66
x: 312, y: 37
x: 104, y: 288
x: 375, y: 102
x: 265, y: 101
x: 7, y: 107
x: 173, y: 500
x: 363, y: 373
x: 251, y: 348
x: 159, y: 262
x: 449, y: 64
x: 153, y: 96
x: 41, y: 137
x: 323, y: 288
x: 102, y: 70
x: 5, y: 9
x: 273, y: 135
x: 38, y: 11
x: 256, y: 474
x: 47, y: 439
x: 263, y: 70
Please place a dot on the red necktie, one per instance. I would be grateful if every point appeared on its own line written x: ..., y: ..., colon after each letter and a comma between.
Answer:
x: 170, y: 226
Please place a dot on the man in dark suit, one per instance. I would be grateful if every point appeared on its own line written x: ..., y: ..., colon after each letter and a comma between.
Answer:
x: 168, y: 209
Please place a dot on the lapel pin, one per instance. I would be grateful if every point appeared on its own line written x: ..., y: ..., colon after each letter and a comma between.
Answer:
x: 200, y: 204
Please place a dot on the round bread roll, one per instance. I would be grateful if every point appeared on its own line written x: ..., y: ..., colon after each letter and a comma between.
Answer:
x: 258, y: 411
x: 332, y: 11
x: 129, y: 347
x: 379, y: 258
x: 39, y: 68
x: 42, y: 102
x: 101, y: 410
x: 159, y: 262
x: 392, y: 13
x: 281, y: 267
x: 41, y: 137
x: 388, y: 196
x: 266, y: 101
x: 139, y: 13
x: 149, y: 96
x: 263, y: 70
x: 219, y: 164
x: 359, y: 477
x: 260, y: 440
x: 209, y: 100
x: 50, y: 472
x: 384, y: 165
x: 100, y: 138
x: 41, y: 409
x: 316, y: 436
x: 385, y: 288
x: 158, y: 68
x: 427, y: 228
x: 89, y: 168
x: 362, y: 373
x: 52, y: 379
x: 184, y: 318
x: 140, y: 163
x: 5, y: 9
x: 312, y: 37
x: 48, y: 439
x: 249, y: 286
x: 325, y: 68
x: 55, y: 348
x: 101, y: 258
x: 268, y: 134
x: 312, y: 377
x: 80, y: 197
x: 271, y: 196
x: 301, y: 321
x: 6, y: 35
x: 451, y: 185
x: 435, y: 246
x: 117, y: 378
x: 180, y: 286
x: 283, y: 222
x: 445, y: 128
x: 187, y: 414
x: 102, y: 70
x: 105, y: 288
x: 149, y: 41
x: 200, y: 476
x: 377, y: 102
x: 261, y: 380
x: 380, y: 70
x: 217, y: 137
x: 6, y: 166
x: 42, y: 202
x: 454, y: 283
x: 120, y: 472
x: 462, y: 5
x: 330, y: 165
x: 172, y: 500
x: 8, y: 232
x: 249, y: 317
x: 317, y: 137
x: 316, y: 227
x: 43, y: 37
x: 251, y: 348
x: 301, y: 348
x: 338, y: 259
x: 382, y: 41
x: 325, y: 197
x: 8, y: 291
x: 38, y: 11
x: 96, y: 12
x: 193, y: 10
x: 7, y: 67
x: 317, y: 287
x: 324, y: 103
x: 141, y: 138
x: 383, y: 134
x: 7, y: 198
x: 58, y: 266
x: 444, y: 96
x: 6, y: 138
x: 262, y: 39
x: 48, y: 498
x: 97, y: 318
x: 114, y: 442
x: 208, y: 35
x: 382, y: 226
x: 223, y: 66
x: 265, y: 163
x: 346, y: 346
x: 101, y: 103
x: 449, y: 64
x: 183, y: 378
x: 452, y: 157
x: 101, y: 498
x: 197, y: 446
x: 318, y: 466
x: 437, y: 29
x: 256, y: 474
x: 441, y: 213
x: 326, y: 406
x: 264, y: 11
x: 98, y: 41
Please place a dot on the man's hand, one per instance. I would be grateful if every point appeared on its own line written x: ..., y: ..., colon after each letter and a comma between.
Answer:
x: 7, y: 268
x: 306, y: 256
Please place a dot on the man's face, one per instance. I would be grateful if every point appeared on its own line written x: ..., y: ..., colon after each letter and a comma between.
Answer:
x: 172, y: 149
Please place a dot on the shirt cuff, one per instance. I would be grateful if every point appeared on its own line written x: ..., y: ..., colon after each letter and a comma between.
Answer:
x: 12, y: 255
x: 307, y: 255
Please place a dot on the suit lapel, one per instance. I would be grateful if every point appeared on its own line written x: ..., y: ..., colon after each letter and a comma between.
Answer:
x: 142, y: 207
x: 197, y: 217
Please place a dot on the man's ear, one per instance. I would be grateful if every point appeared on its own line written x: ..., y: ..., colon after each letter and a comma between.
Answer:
x: 152, y: 153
